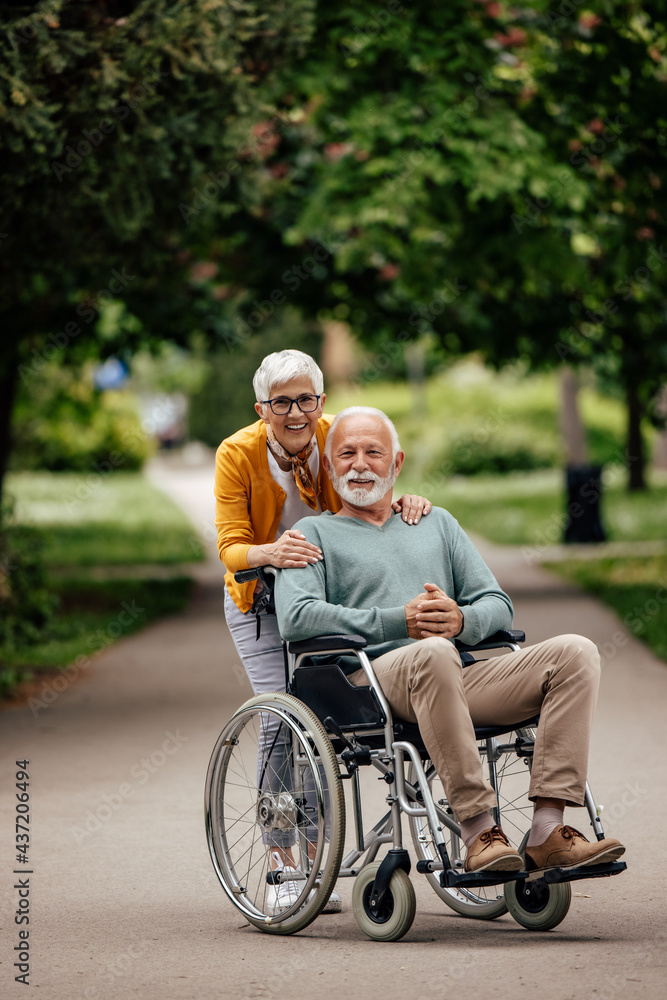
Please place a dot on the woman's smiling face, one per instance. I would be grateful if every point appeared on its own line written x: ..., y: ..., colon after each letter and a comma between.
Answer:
x: 293, y: 430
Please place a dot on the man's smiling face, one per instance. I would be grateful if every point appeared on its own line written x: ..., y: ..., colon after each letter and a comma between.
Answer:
x: 362, y: 466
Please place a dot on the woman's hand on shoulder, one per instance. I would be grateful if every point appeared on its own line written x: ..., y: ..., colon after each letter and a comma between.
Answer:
x: 291, y: 550
x: 412, y: 507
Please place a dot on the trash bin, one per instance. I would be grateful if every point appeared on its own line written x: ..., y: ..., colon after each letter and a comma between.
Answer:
x: 584, y: 489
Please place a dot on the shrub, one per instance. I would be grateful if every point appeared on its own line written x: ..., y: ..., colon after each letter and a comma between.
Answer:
x: 26, y: 606
x: 510, y: 450
x: 62, y: 423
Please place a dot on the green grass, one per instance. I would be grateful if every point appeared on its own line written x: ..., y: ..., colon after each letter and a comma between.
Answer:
x: 92, y: 520
x: 636, y: 589
x: 92, y: 615
x: 118, y: 520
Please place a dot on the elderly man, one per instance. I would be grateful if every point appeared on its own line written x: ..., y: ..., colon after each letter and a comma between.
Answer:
x: 409, y: 592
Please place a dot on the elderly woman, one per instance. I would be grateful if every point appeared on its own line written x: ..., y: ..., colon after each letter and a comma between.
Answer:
x: 268, y: 476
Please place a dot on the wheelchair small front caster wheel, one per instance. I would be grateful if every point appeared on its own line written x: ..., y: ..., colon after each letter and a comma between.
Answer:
x: 537, y: 906
x: 396, y: 911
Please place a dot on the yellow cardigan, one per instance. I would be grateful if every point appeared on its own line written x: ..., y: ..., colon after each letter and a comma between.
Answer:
x: 249, y: 502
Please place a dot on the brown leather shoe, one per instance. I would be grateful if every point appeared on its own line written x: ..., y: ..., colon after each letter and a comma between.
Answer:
x: 565, y: 847
x: 493, y: 852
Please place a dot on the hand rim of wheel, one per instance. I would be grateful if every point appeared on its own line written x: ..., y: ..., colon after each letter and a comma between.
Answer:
x: 306, y: 727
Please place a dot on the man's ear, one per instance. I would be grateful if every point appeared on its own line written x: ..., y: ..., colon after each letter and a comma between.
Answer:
x: 327, y: 464
x: 398, y: 461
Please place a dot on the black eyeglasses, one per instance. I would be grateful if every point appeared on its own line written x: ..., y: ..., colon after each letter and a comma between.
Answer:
x: 283, y: 404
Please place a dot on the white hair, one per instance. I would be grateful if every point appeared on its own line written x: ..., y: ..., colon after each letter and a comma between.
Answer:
x: 281, y: 367
x: 366, y: 411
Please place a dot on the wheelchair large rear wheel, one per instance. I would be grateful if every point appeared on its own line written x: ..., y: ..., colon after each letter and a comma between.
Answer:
x: 509, y: 775
x: 273, y: 788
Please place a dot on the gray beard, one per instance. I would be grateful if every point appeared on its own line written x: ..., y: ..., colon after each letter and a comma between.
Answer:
x: 361, y: 497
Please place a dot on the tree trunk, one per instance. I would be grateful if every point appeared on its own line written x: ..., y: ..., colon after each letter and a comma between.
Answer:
x: 9, y: 378
x: 635, y: 451
x: 660, y: 447
x: 415, y: 361
x: 338, y: 353
x: 572, y: 428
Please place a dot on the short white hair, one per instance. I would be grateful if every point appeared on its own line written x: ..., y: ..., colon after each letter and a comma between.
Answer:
x: 281, y: 367
x: 365, y: 411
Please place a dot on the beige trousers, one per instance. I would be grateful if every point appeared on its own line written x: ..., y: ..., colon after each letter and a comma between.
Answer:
x: 558, y: 678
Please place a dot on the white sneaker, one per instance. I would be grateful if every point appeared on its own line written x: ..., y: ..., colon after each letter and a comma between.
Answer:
x: 285, y: 894
x: 279, y: 897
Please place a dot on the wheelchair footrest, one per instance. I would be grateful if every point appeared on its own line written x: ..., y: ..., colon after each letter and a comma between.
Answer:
x: 451, y: 879
x: 555, y: 875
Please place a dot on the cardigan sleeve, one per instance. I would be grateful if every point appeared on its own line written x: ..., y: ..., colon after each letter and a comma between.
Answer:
x: 232, y: 515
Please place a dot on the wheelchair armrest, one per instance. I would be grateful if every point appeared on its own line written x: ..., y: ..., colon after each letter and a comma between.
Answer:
x: 324, y: 643
x: 500, y: 638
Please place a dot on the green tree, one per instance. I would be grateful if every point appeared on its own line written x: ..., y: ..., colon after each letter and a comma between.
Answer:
x: 597, y: 83
x: 126, y: 129
x: 407, y: 169
x: 431, y: 150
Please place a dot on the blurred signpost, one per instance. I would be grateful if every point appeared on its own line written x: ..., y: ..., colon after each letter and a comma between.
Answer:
x: 584, y: 488
x: 583, y: 481
x: 112, y: 374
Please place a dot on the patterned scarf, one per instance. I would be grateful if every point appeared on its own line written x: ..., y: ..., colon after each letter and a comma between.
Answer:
x: 303, y: 477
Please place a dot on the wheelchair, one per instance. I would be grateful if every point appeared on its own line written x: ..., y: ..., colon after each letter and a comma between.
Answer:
x: 275, y: 787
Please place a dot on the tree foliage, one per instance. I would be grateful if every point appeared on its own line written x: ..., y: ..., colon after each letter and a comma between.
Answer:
x: 487, y: 174
x: 601, y: 90
x: 115, y: 114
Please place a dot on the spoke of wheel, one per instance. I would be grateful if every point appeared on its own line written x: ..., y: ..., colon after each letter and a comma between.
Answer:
x: 242, y: 817
x: 231, y: 847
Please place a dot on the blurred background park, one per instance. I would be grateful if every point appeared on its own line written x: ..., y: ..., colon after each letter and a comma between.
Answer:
x: 457, y: 209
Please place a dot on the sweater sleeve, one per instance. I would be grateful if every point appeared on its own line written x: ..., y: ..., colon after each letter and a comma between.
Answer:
x: 303, y: 610
x: 485, y: 606
x: 232, y: 517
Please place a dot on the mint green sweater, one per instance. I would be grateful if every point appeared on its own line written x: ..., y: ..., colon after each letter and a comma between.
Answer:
x: 369, y: 574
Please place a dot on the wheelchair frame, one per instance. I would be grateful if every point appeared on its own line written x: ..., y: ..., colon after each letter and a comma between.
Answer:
x: 383, y: 895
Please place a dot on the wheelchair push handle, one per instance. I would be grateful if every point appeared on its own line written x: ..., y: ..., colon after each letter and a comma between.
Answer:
x: 266, y: 574
x: 263, y: 600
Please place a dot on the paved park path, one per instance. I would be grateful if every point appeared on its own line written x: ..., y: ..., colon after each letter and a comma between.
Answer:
x: 123, y: 899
